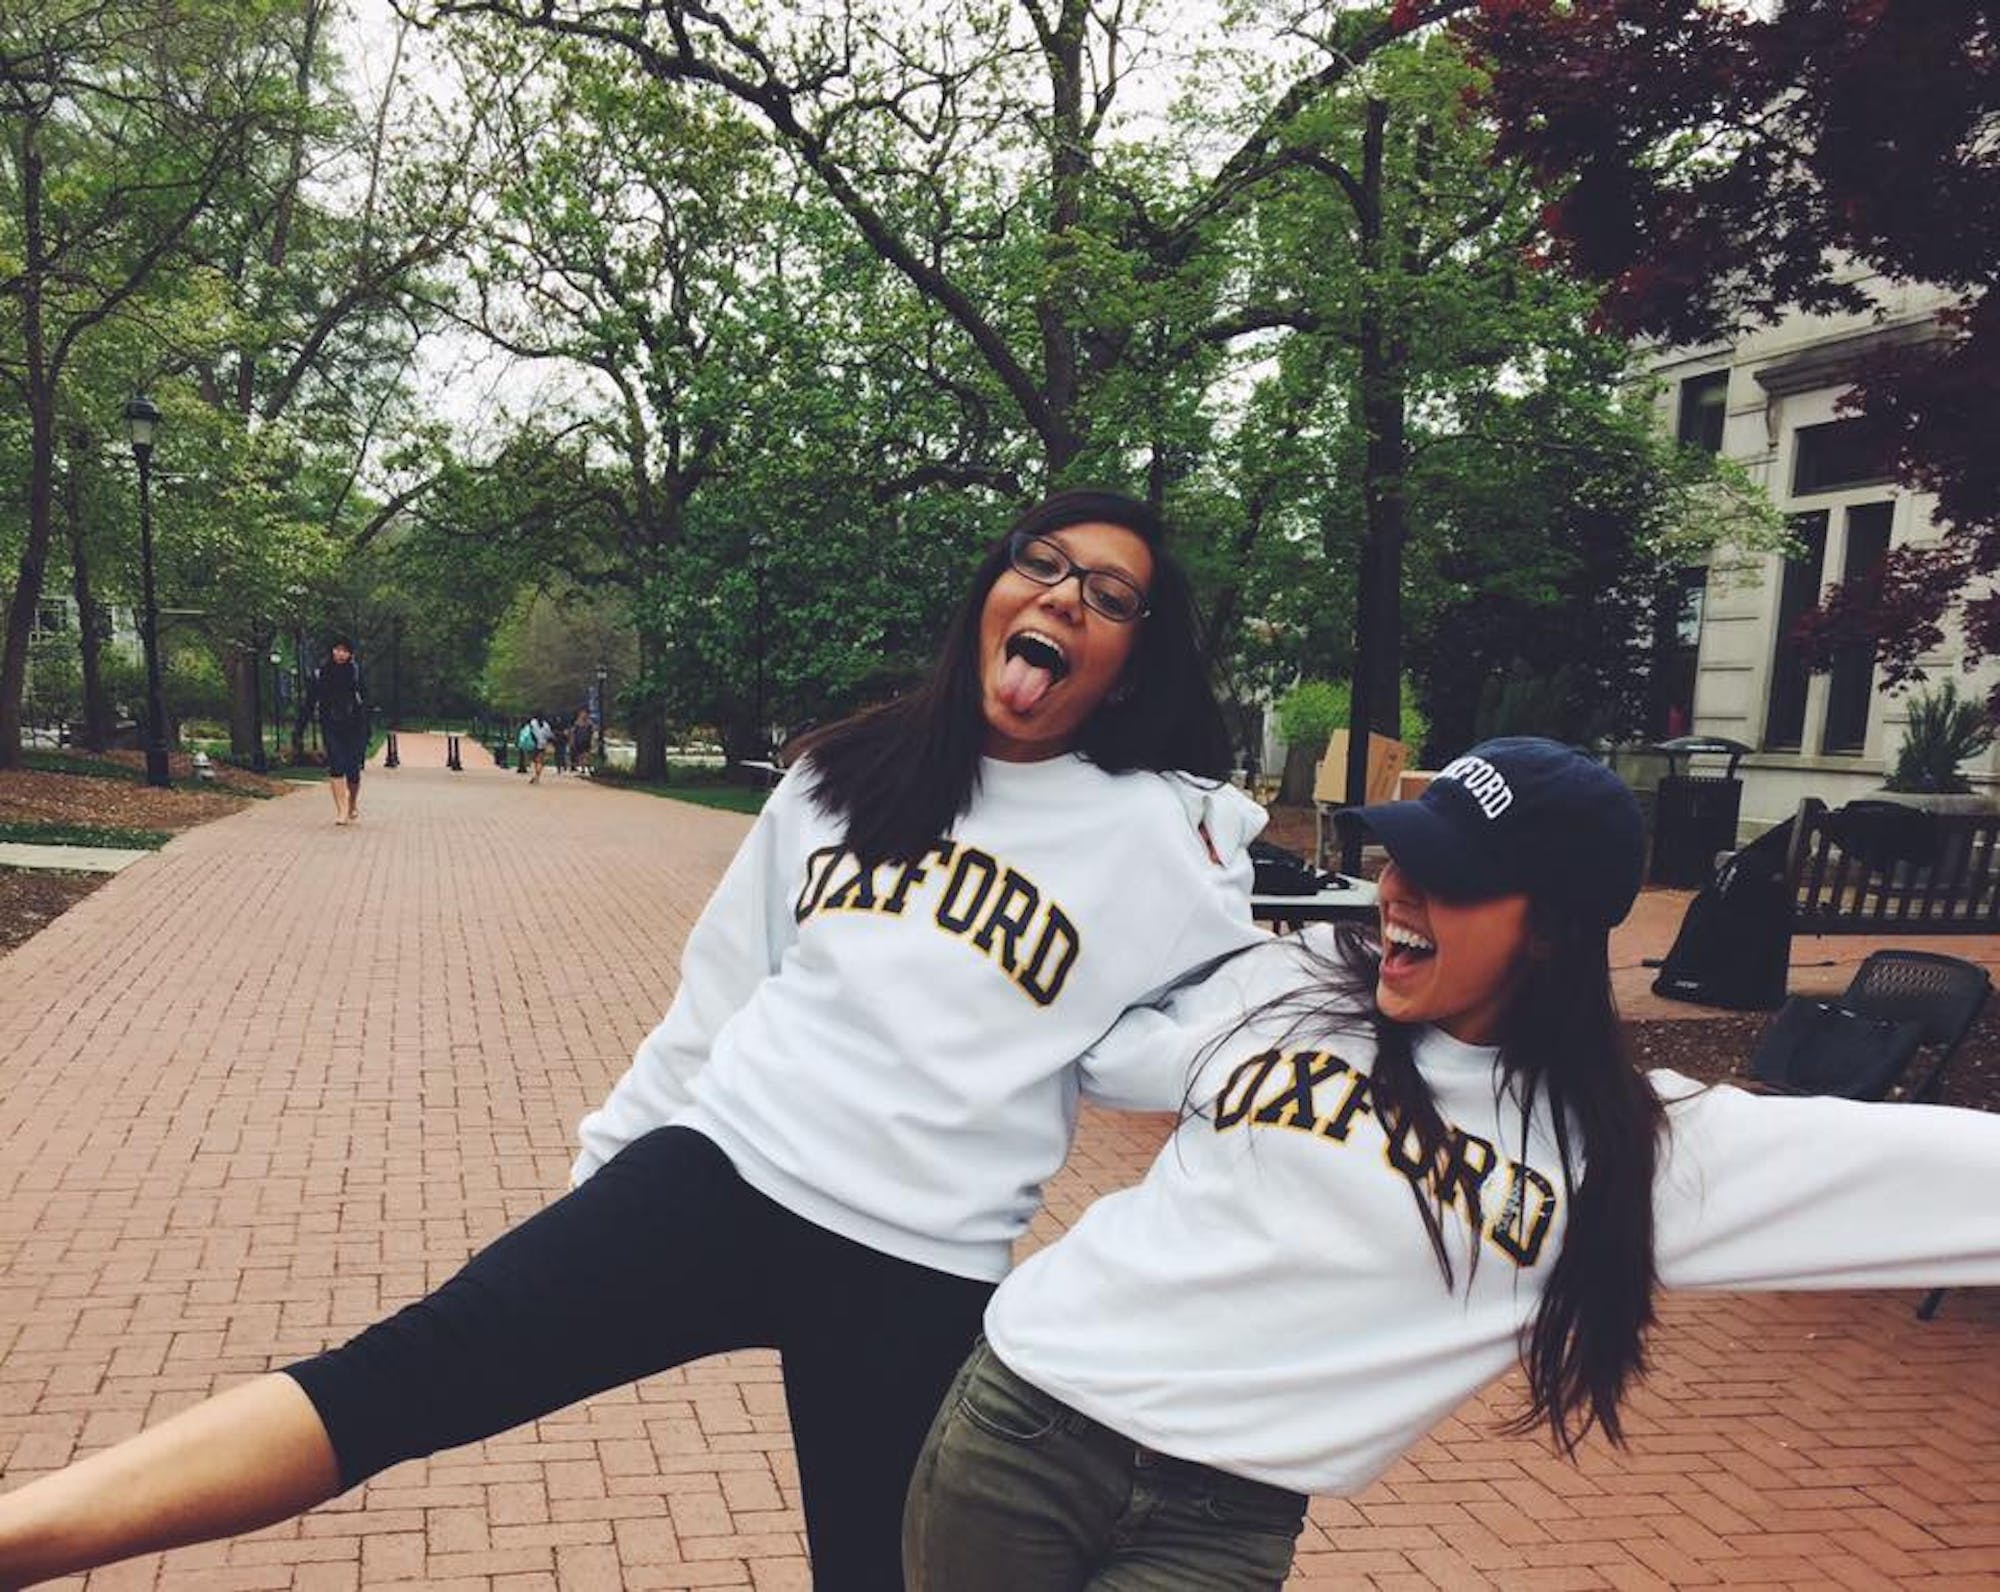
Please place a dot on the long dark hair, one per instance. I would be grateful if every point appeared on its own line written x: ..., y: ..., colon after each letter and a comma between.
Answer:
x: 901, y: 774
x: 1560, y: 1041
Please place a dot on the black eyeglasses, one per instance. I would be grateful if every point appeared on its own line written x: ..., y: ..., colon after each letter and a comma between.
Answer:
x: 1105, y: 591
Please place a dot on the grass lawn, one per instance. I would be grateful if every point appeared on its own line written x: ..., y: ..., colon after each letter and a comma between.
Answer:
x: 735, y: 798
x: 49, y: 834
x: 699, y: 783
x: 88, y: 767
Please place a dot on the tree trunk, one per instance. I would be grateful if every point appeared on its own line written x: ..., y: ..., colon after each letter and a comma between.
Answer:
x: 41, y: 401
x: 28, y: 579
x: 1295, y: 785
x: 649, y: 721
x: 649, y: 742
x: 96, y: 726
x: 240, y: 669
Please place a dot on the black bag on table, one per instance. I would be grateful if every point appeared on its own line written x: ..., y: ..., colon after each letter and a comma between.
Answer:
x: 1278, y: 872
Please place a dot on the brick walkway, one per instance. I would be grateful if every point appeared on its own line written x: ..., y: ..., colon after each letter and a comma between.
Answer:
x: 279, y: 1077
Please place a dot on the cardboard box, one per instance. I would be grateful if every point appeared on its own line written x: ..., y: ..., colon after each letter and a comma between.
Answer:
x: 1386, y: 761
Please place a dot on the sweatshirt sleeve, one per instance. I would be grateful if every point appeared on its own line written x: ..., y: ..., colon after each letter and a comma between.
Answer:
x: 1146, y: 1060
x: 1779, y: 1191
x: 735, y: 944
x: 1141, y: 1063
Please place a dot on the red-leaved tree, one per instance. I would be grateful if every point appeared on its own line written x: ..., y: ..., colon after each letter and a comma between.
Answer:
x: 1720, y: 164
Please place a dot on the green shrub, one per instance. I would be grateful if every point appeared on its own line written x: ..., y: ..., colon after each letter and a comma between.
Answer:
x: 195, y: 687
x: 1313, y: 709
x: 40, y: 834
x: 1943, y: 731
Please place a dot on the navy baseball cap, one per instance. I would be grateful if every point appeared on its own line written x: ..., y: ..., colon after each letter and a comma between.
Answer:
x: 1519, y: 815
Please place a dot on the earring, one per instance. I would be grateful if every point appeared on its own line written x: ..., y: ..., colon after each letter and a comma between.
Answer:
x: 1121, y: 693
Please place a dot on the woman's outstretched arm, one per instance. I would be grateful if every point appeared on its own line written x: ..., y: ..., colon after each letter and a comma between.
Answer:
x: 246, y: 1458
x: 1775, y: 1191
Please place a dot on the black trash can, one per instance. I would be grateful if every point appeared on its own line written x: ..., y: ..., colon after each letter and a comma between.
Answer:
x: 1695, y: 808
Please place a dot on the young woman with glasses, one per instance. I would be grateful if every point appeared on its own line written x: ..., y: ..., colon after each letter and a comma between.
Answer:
x: 847, y: 1116
x: 1405, y: 1164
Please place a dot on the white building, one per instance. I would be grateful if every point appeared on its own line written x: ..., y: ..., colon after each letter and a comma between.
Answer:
x: 1768, y: 401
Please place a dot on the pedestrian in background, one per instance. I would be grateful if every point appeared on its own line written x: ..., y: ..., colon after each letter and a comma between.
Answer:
x: 580, y: 733
x: 534, y: 744
x: 336, y: 696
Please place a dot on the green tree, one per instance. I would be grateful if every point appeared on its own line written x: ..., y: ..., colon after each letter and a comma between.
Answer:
x: 618, y: 249
x: 119, y: 126
x: 329, y: 250
x: 1556, y: 522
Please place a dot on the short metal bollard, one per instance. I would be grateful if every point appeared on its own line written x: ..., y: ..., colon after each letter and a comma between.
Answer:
x: 389, y: 758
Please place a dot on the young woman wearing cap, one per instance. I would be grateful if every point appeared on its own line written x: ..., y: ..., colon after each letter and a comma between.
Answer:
x: 831, y: 1141
x: 1399, y: 1172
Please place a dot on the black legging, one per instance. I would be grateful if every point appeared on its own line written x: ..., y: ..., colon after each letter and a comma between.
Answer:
x: 664, y: 1256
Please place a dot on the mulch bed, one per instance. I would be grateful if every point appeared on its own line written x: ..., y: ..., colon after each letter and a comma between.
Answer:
x: 30, y: 898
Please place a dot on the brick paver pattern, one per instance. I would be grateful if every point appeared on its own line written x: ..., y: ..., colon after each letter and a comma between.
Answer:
x: 279, y: 1078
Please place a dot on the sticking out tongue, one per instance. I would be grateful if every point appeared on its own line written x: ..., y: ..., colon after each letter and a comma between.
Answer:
x: 1032, y: 667
x: 1022, y: 685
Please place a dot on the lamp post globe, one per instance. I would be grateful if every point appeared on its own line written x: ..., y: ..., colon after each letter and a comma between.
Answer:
x: 142, y: 424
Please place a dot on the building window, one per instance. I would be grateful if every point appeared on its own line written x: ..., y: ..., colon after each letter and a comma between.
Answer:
x: 1785, y: 720
x: 1841, y: 453
x: 1679, y: 651
x: 1704, y: 400
x: 1853, y: 674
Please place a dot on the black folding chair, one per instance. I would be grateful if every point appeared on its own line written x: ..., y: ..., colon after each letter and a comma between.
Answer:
x: 1863, y: 1044
x: 1943, y: 995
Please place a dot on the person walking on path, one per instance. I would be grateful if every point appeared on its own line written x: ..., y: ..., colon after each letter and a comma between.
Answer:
x: 1403, y: 1165
x: 581, y: 732
x: 846, y: 1118
x: 534, y: 744
x: 335, y: 695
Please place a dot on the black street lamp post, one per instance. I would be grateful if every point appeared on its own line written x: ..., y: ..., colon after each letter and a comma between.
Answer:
x: 142, y: 420
x: 279, y: 696
x: 603, y: 720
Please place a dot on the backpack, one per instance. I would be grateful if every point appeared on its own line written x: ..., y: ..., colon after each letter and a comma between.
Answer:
x: 1735, y: 944
x: 527, y: 740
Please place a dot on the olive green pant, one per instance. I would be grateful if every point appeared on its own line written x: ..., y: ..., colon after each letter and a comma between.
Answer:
x: 1017, y: 1492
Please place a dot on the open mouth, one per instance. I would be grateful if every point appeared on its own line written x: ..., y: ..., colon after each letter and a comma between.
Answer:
x: 1404, y: 948
x: 1034, y: 664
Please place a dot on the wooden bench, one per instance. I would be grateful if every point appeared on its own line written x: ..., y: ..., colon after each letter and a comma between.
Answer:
x: 1877, y: 868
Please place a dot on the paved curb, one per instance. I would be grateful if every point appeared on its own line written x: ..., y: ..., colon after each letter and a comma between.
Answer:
x: 70, y: 859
